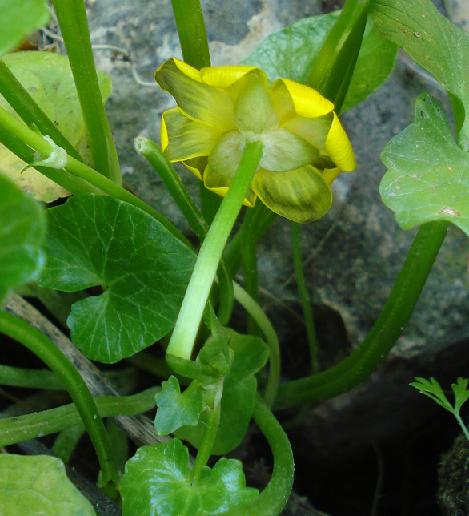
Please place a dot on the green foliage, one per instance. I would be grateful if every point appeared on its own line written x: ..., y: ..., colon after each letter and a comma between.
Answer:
x: 176, y: 409
x: 428, y: 174
x: 22, y: 233
x: 47, y: 77
x: 38, y: 485
x: 291, y: 51
x: 142, y: 268
x: 433, y: 390
x: 19, y: 18
x: 157, y: 481
x: 433, y: 42
x: 239, y: 393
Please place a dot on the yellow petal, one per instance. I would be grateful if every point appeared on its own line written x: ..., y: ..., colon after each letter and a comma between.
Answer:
x: 330, y: 174
x: 196, y: 166
x: 223, y: 76
x: 282, y: 101
x: 187, y: 138
x: 313, y: 130
x: 308, y: 102
x: 249, y: 201
x: 163, y: 133
x: 199, y: 101
x: 300, y: 195
x: 339, y: 148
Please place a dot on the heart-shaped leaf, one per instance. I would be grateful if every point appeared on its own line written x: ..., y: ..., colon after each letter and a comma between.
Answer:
x: 142, y: 268
x: 157, y: 481
x: 49, y: 80
x: 22, y: 233
x: 290, y: 52
x: 428, y: 174
x: 38, y: 485
x: 19, y: 18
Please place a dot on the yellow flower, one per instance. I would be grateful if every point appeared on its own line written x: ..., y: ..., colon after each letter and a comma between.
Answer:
x: 221, y: 108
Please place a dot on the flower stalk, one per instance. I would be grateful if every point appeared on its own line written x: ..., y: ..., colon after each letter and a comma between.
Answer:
x: 198, y: 290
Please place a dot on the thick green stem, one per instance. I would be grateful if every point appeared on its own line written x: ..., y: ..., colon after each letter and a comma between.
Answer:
x: 191, y: 30
x: 30, y: 378
x: 210, y: 434
x: 22, y: 102
x: 10, y: 124
x: 198, y: 290
x: 332, y: 70
x: 275, y: 496
x: 385, y: 332
x: 197, y: 223
x: 264, y: 324
x: 304, y: 297
x: 151, y: 151
x: 41, y: 346
x: 37, y: 424
x: 71, y: 15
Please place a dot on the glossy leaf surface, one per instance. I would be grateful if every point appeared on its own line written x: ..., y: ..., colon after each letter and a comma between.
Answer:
x: 22, y: 233
x: 38, y: 485
x: 428, y: 174
x: 433, y: 42
x: 157, y: 481
x: 143, y: 270
x: 19, y: 19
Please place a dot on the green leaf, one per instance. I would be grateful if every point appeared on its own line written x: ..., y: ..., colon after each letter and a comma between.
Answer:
x: 432, y: 41
x: 49, y: 80
x: 428, y: 174
x: 176, y: 409
x: 157, y: 481
x: 290, y: 52
x: 433, y: 390
x: 239, y: 395
x: 22, y: 233
x: 461, y: 393
x: 19, y: 19
x: 142, y: 268
x: 38, y: 485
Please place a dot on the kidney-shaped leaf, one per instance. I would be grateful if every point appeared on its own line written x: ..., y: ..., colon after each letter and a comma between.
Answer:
x: 38, y: 485
x: 428, y: 174
x: 19, y: 18
x: 157, y: 481
x: 291, y: 51
x: 49, y: 80
x: 22, y: 233
x: 142, y: 269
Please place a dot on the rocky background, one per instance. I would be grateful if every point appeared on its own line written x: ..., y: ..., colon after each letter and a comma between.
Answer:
x: 374, y: 450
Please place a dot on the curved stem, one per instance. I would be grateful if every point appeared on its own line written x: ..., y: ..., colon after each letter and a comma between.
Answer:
x: 29, y: 378
x: 29, y: 426
x: 385, y: 332
x: 42, y: 347
x: 198, y: 290
x: 71, y: 15
x: 304, y: 297
x: 12, y: 125
x: 26, y: 107
x: 191, y: 30
x: 275, y: 496
x: 258, y: 315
